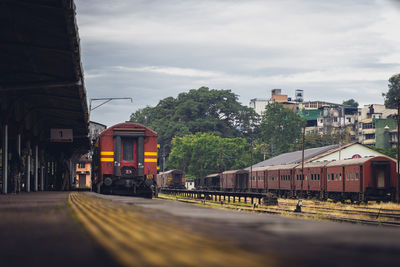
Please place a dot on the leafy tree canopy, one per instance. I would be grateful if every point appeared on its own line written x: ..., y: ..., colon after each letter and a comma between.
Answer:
x: 201, y: 154
x: 351, y: 102
x: 317, y: 140
x: 393, y: 94
x: 199, y: 110
x: 281, y: 128
x: 391, y: 152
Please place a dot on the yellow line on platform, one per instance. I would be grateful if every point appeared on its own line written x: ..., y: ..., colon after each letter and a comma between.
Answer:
x: 136, y: 240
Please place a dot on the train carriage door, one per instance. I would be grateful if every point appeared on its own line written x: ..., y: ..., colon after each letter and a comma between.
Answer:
x: 128, y: 160
x: 117, y: 155
x: 381, y: 174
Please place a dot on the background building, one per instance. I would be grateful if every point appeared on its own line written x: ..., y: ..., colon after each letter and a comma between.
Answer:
x: 372, y: 121
x: 83, y: 172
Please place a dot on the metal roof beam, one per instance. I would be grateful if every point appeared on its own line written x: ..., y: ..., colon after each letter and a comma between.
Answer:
x: 40, y: 85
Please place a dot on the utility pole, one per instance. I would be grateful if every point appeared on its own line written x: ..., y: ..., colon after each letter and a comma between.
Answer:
x: 398, y: 151
x: 251, y: 160
x: 302, y: 160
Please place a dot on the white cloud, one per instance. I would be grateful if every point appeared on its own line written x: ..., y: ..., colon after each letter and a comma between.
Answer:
x: 154, y: 49
x: 175, y: 71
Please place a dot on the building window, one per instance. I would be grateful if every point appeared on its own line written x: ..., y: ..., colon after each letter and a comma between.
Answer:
x: 370, y: 125
x: 369, y: 136
x: 81, y: 165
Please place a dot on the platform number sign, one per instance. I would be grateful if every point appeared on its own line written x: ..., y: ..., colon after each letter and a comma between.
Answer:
x: 61, y: 135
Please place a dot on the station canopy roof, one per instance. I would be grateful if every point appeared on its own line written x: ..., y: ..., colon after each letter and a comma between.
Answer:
x: 41, y: 76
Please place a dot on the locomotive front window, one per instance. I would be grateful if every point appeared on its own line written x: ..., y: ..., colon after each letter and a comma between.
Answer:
x: 128, y: 150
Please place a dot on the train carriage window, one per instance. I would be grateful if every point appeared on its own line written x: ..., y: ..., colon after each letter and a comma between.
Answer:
x: 128, y: 149
x: 356, y: 176
x: 319, y: 176
x: 347, y: 176
x: 332, y: 176
x: 351, y: 176
x: 340, y: 176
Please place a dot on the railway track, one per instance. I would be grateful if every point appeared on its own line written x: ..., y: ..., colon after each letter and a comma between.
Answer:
x: 286, y: 211
x: 394, y: 214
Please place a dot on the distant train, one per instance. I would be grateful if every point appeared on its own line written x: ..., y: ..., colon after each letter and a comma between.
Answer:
x: 173, y: 179
x: 362, y: 179
x: 125, y: 160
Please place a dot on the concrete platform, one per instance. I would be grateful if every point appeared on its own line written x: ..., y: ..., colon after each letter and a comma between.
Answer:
x: 38, y: 229
x: 301, y: 242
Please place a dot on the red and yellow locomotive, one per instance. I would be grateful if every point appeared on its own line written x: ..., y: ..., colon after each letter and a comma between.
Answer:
x: 125, y: 160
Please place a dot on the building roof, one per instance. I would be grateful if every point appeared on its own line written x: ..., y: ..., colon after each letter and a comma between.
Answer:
x: 234, y: 171
x: 295, y: 157
x: 171, y: 171
x: 354, y: 161
x: 212, y: 175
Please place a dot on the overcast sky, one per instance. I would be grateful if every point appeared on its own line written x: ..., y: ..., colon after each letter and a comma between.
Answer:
x: 152, y: 49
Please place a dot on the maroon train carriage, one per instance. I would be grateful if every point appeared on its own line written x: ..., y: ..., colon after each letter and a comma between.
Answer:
x: 311, y: 183
x: 361, y: 179
x: 174, y: 179
x: 257, y: 180
x: 235, y: 180
x: 280, y: 179
x: 213, y: 182
x: 372, y: 178
x: 125, y: 160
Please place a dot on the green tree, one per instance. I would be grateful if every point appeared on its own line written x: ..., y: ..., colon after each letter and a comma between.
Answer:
x: 351, y: 103
x: 203, y: 153
x: 199, y: 110
x: 391, y: 152
x: 281, y: 128
x: 317, y: 140
x: 393, y: 94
